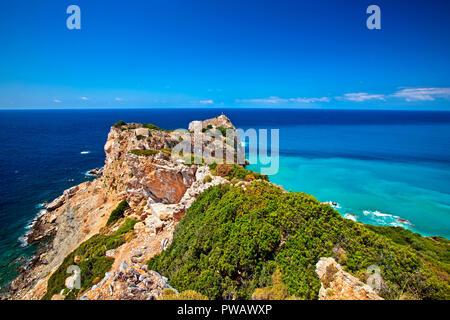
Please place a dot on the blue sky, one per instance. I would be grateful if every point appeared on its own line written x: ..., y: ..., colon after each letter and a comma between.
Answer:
x: 214, y: 53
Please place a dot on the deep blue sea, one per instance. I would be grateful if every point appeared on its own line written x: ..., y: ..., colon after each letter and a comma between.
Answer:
x: 378, y: 166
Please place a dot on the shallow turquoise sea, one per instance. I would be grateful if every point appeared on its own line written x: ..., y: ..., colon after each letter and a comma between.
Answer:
x: 389, y: 190
x: 395, y: 175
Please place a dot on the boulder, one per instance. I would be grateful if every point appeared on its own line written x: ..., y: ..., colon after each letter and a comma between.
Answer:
x: 336, y: 284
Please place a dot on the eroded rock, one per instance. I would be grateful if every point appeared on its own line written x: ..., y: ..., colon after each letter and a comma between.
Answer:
x: 340, y: 285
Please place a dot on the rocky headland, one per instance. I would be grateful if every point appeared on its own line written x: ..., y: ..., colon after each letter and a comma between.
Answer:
x: 112, y: 226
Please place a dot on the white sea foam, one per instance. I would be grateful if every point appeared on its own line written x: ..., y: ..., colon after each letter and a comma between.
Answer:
x: 386, y: 219
x: 90, y: 174
x: 333, y: 204
x: 85, y: 152
x: 377, y: 213
x: 350, y: 216
x: 23, y: 240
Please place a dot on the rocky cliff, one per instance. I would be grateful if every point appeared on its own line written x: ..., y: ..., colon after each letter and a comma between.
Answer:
x: 124, y: 231
x: 140, y: 169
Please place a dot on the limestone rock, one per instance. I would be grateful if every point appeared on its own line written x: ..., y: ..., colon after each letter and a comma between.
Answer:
x: 340, y: 285
x: 52, y: 218
x: 135, y: 282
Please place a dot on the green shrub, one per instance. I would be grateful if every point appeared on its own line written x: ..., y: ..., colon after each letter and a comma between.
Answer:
x: 169, y: 294
x: 152, y: 127
x: 117, y: 213
x: 143, y: 153
x: 277, y: 291
x: 207, y: 179
x: 232, y: 240
x: 139, y: 137
x: 93, y: 264
x: 191, y: 159
x: 233, y: 171
x: 223, y: 130
x: 167, y: 151
x: 119, y: 124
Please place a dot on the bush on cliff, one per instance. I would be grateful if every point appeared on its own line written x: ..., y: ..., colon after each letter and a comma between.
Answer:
x: 277, y: 291
x: 223, y: 130
x: 144, y: 153
x: 119, y: 124
x: 92, y: 261
x: 152, y: 127
x: 169, y: 294
x: 118, y: 212
x: 233, y: 171
x: 231, y: 241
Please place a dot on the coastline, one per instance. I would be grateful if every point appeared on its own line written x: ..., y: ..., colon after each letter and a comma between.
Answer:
x: 46, y: 225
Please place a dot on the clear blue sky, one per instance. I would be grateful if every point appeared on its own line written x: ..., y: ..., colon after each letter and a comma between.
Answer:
x: 214, y: 53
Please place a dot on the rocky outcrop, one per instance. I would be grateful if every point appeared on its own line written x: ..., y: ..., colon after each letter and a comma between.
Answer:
x: 158, y: 187
x: 219, y: 121
x: 58, y: 202
x: 340, y: 285
x: 97, y: 172
x: 158, y: 179
x: 134, y: 282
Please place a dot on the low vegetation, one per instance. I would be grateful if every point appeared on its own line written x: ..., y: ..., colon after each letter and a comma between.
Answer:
x: 207, y: 179
x: 143, y: 153
x: 223, y: 130
x: 233, y: 171
x: 277, y: 291
x: 119, y: 124
x: 118, y: 212
x: 231, y: 241
x: 152, y: 127
x: 435, y: 251
x: 169, y: 294
x: 90, y: 258
x: 208, y: 127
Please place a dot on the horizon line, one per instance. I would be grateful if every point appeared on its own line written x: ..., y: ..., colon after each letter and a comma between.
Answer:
x: 418, y: 109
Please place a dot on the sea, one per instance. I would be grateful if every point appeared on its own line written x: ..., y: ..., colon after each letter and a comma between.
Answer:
x: 374, y: 166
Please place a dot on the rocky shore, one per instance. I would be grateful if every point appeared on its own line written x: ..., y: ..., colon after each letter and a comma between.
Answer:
x: 157, y: 187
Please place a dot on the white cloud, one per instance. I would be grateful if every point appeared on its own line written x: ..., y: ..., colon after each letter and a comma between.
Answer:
x: 422, y: 94
x: 361, y: 97
x: 278, y: 100
x: 310, y: 100
x: 57, y: 101
x: 118, y: 99
x: 206, y: 101
x: 84, y: 98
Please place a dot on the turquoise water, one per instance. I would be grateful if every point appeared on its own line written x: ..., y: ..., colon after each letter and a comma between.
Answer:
x: 386, y: 183
x: 373, y: 191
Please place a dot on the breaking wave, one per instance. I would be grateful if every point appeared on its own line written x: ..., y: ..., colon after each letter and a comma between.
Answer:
x: 386, y: 219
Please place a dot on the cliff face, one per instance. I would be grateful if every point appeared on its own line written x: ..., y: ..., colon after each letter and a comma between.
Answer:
x: 139, y: 169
